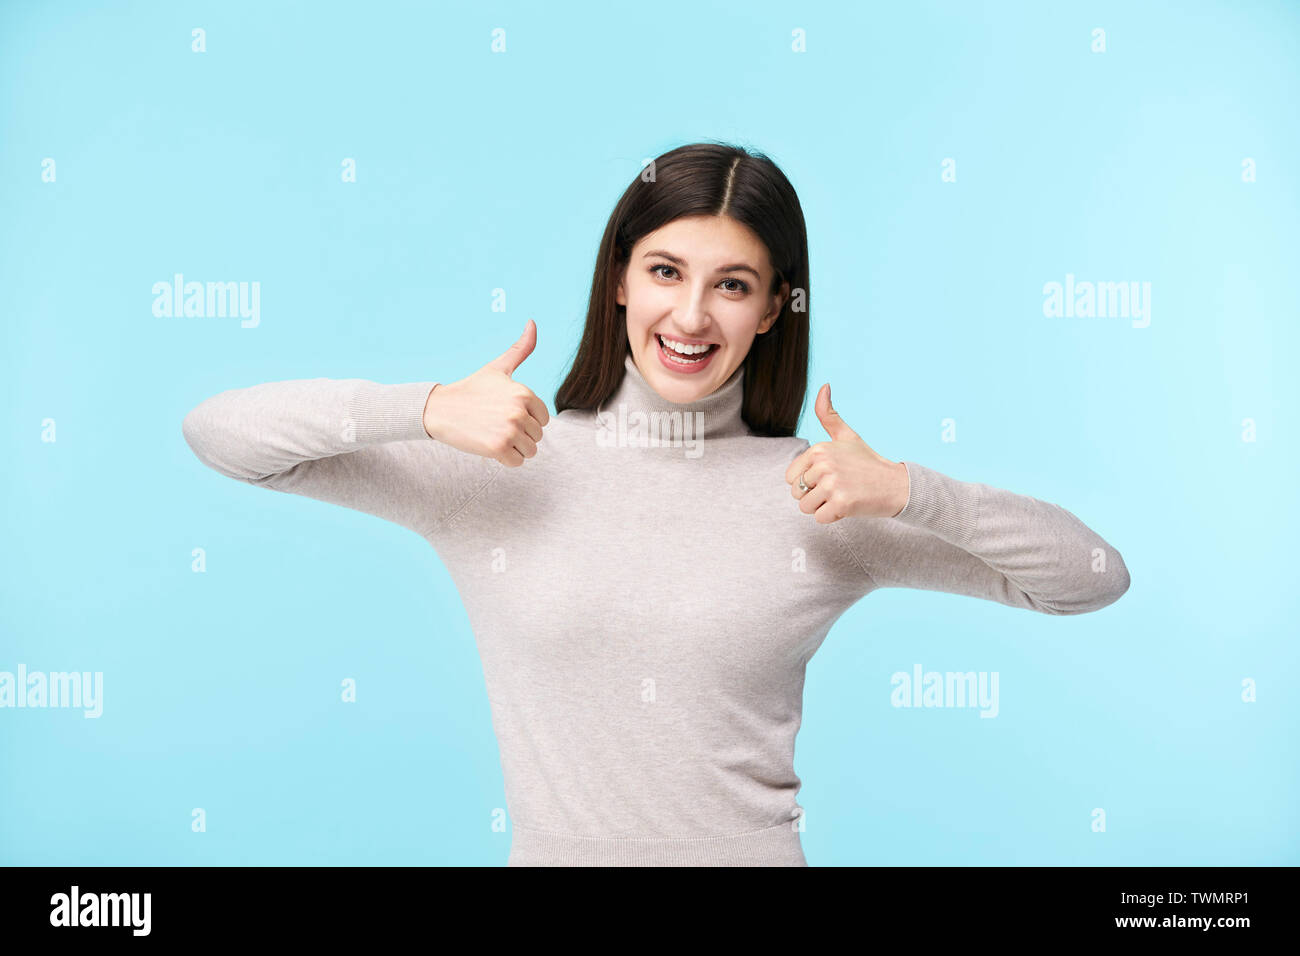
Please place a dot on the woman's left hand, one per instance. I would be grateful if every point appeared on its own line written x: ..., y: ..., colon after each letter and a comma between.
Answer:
x: 845, y: 478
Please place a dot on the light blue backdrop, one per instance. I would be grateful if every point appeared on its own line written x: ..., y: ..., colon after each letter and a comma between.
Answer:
x: 479, y: 170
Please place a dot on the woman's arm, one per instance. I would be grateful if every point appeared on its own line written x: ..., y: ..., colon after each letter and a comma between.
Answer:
x: 973, y: 539
x: 411, y: 454
x: 350, y: 442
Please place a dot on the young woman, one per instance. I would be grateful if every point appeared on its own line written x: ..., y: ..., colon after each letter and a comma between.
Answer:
x: 648, y: 581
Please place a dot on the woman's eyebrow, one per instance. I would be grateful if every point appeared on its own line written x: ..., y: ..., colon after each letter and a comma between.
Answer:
x: 737, y: 267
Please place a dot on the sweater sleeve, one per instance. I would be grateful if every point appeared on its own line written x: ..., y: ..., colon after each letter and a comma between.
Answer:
x: 973, y: 539
x: 350, y: 442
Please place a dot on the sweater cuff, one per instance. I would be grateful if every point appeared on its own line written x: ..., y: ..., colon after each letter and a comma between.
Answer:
x: 382, y: 413
x: 942, y: 505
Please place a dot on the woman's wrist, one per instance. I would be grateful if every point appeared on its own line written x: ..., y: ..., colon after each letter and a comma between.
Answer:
x: 903, y: 488
x: 430, y: 422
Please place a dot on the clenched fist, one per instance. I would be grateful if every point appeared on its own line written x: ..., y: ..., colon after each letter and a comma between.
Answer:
x: 488, y: 413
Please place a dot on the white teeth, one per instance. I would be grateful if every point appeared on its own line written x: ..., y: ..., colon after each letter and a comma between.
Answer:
x: 682, y: 360
x: 682, y: 347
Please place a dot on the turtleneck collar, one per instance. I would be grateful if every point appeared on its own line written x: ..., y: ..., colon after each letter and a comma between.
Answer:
x: 638, y: 413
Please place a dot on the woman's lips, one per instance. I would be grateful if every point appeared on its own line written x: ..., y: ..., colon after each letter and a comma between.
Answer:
x: 670, y: 359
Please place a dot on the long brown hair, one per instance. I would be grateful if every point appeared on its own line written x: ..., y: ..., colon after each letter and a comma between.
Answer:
x: 705, y: 179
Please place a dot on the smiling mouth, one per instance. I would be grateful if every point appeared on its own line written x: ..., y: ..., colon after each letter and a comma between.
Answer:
x: 689, y: 358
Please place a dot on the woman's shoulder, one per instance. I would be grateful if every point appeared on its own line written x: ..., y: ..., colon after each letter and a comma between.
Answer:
x: 787, y: 447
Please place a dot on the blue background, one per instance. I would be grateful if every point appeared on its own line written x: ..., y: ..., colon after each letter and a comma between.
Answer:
x: 478, y: 171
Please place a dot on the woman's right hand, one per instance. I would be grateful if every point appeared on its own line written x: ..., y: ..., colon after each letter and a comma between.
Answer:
x: 489, y: 414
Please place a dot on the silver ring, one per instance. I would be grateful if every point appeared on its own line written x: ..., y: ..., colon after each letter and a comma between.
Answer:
x: 802, y: 486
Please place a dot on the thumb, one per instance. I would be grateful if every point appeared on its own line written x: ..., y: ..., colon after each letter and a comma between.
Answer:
x: 510, y: 359
x: 835, y: 426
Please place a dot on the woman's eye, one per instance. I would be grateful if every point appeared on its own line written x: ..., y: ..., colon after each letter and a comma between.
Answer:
x: 744, y: 286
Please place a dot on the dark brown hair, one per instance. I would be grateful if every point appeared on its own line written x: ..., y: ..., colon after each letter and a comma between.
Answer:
x: 705, y: 179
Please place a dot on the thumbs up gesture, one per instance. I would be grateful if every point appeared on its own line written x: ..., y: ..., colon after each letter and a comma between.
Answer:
x: 489, y: 414
x: 843, y: 477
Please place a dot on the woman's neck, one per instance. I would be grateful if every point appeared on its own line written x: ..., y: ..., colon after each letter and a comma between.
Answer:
x: 636, y: 413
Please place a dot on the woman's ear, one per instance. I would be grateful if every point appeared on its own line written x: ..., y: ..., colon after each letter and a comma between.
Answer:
x: 779, y: 300
x: 620, y: 294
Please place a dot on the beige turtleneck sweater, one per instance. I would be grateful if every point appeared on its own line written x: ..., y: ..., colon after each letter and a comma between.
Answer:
x: 644, y: 611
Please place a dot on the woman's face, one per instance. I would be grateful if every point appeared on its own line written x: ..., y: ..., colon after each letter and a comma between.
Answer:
x: 700, y: 280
